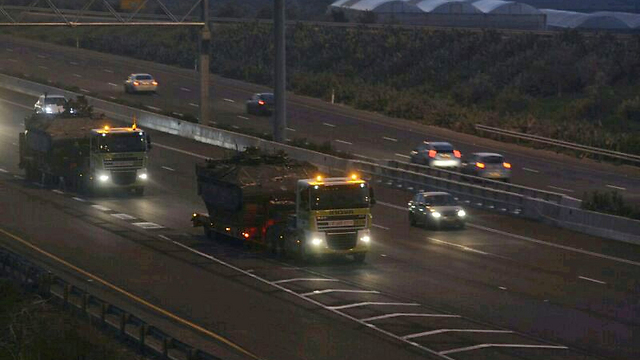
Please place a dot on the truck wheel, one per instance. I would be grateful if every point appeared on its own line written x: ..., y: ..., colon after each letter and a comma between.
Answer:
x: 210, y: 234
x: 31, y: 173
x: 139, y: 191
x: 303, y: 257
x: 359, y: 257
x: 412, y: 220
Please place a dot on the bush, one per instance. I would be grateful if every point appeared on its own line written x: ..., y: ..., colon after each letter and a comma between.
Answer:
x: 609, y: 203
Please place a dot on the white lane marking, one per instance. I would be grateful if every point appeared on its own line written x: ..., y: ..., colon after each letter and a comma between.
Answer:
x: 123, y: 216
x: 371, y: 303
x: 483, y: 346
x: 387, y: 316
x: 108, y: 71
x: 112, y: 84
x: 100, y: 207
x: 310, y: 300
x: 243, y: 117
x: 326, y: 291
x: 228, y: 100
x: 112, y: 97
x: 440, y: 331
x: 18, y: 177
x: 616, y: 187
x: 10, y: 49
x: 168, y: 168
x: 154, y: 108
x: 85, y: 90
x: 526, y: 238
x: 181, y: 151
x: 179, y: 114
x: 12, y: 60
x: 74, y: 63
x: 530, y: 170
x: 291, y: 129
x: 559, y: 188
x: 592, y: 280
x: 380, y: 227
x: 343, y: 142
x: 79, y: 199
x: 185, y: 89
x: 390, y: 139
x: 329, y: 125
x: 77, y: 75
x: 235, y: 126
x: 194, y: 104
x: 302, y: 279
x: 58, y: 191
x: 402, y: 156
x: 459, y: 246
x: 42, y: 67
x: 502, y: 288
x: 148, y: 225
x: 41, y: 56
x: 3, y: 170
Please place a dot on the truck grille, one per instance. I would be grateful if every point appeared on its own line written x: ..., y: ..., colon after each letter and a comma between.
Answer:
x: 123, y: 177
x: 121, y: 163
x: 345, y: 222
x: 342, y: 240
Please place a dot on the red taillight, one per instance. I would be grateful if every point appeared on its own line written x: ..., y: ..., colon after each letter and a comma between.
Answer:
x: 456, y: 153
x: 154, y: 83
x: 260, y: 102
x: 506, y: 165
x: 480, y: 165
x: 135, y: 83
x: 246, y: 235
x: 432, y: 153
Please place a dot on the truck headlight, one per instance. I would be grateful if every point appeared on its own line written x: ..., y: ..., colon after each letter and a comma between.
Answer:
x: 143, y: 176
x: 436, y: 215
x: 316, y: 242
x: 365, y: 238
x: 461, y: 213
x: 103, y: 178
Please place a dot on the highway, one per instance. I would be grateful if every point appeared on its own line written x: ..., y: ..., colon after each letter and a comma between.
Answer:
x: 363, y: 134
x: 504, y: 288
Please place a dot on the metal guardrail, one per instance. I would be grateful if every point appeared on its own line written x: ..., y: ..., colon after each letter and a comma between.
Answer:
x: 128, y: 326
x: 484, y: 182
x: 635, y: 159
x: 472, y: 195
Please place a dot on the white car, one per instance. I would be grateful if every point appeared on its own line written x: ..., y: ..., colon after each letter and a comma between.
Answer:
x: 50, y: 104
x: 140, y: 83
x: 437, y: 155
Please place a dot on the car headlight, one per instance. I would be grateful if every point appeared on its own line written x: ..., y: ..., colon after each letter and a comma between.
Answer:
x: 461, y: 213
x: 103, y: 178
x: 316, y: 242
x: 436, y: 214
x: 365, y: 239
x: 48, y: 110
x: 143, y: 176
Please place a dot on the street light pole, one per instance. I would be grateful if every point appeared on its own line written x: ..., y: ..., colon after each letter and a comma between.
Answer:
x: 205, y: 50
x: 280, y: 121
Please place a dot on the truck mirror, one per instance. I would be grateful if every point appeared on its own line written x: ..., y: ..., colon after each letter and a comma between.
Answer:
x: 372, y: 198
x: 148, y: 142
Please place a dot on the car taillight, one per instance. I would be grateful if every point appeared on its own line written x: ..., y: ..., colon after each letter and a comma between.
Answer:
x: 261, y: 102
x: 456, y: 153
x: 506, y: 165
x: 432, y: 153
x: 480, y: 165
x: 135, y: 83
x: 154, y: 83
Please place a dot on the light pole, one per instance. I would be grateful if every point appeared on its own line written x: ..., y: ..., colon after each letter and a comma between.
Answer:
x: 280, y: 121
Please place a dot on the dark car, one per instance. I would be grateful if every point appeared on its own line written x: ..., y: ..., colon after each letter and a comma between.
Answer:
x: 436, y: 210
x: 436, y: 154
x: 487, y: 165
x: 260, y: 104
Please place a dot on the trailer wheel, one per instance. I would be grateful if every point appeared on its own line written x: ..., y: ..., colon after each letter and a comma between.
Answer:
x: 359, y: 257
x: 139, y: 191
x: 31, y: 173
x: 209, y: 233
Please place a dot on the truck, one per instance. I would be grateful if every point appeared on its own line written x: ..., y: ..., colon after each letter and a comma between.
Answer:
x: 284, y: 205
x: 84, y: 152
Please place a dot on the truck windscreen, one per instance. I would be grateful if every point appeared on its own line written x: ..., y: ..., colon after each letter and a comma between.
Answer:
x: 122, y: 142
x: 348, y: 196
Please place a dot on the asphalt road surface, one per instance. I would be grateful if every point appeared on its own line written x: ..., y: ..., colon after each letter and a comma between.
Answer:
x: 504, y: 288
x: 360, y: 133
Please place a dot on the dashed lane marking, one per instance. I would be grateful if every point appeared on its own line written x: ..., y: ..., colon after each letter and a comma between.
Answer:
x: 179, y: 114
x: 10, y: 49
x: 112, y: 84
x: 85, y: 91
x: 484, y: 346
x: 616, y: 187
x: 100, y: 207
x: 402, y: 156
x: 148, y: 225
x: 291, y: 129
x: 41, y: 56
x: 530, y: 170
x: 458, y: 246
x: 390, y: 139
x: 168, y: 168
x: 441, y: 331
x: 154, y: 108
x: 502, y: 288
x: 371, y: 303
x: 326, y: 291
x: 12, y: 60
x: 77, y: 75
x: 185, y: 89
x: 181, y: 151
x: 559, y: 188
x: 343, y: 142
x: 194, y: 105
x: 18, y: 177
x: 380, y: 227
x: 74, y: 63
x: 243, y: 117
x: 60, y: 192
x: 112, y: 97
x: 123, y: 216
x: 229, y: 100
x: 329, y: 125
x: 388, y: 316
x: 302, y: 279
x: 235, y: 127
x: 42, y: 67
x: 108, y: 71
x: 3, y: 170
x: 592, y: 280
x: 79, y: 199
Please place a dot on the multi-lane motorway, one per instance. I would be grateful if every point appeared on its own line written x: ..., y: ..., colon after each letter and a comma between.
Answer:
x: 360, y: 133
x: 504, y: 288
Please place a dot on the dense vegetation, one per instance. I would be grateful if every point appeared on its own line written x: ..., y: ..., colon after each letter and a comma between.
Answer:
x: 610, y: 202
x: 569, y: 86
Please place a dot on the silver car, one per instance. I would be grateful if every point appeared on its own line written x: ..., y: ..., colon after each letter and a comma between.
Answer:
x: 140, y: 83
x: 436, y: 210
x: 436, y: 154
x: 487, y: 165
x: 50, y: 104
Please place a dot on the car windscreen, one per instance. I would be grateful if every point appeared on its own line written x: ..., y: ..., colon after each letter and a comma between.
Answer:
x: 268, y: 98
x: 122, y: 142
x: 443, y: 147
x: 349, y: 196
x: 492, y: 159
x: 54, y: 101
x: 440, y: 200
x: 144, y: 77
